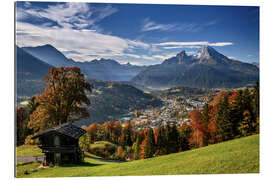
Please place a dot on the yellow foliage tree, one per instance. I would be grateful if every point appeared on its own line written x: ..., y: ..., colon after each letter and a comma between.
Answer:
x: 62, y: 100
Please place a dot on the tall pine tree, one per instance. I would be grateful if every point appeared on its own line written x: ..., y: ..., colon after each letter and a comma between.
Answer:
x: 248, y: 124
x: 160, y: 140
x: 205, y: 124
x: 173, y: 139
x: 256, y: 106
x: 137, y: 149
x: 150, y: 144
x: 223, y: 120
x: 184, y: 136
x: 237, y: 110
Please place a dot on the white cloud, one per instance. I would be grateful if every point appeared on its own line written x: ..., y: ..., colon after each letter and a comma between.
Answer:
x: 77, y: 31
x: 179, y: 45
x: 155, y: 48
x: 133, y: 55
x: 27, y: 4
x: 73, y: 28
x: 150, y: 25
x: 165, y: 56
x: 183, y: 43
x: 88, y: 44
x: 159, y: 57
x: 64, y: 14
x: 21, y: 14
x: 151, y: 58
x: 104, y: 12
x: 219, y: 44
x: 134, y: 44
x: 69, y: 15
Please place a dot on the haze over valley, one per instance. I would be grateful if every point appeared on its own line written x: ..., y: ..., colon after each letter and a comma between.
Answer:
x: 113, y: 82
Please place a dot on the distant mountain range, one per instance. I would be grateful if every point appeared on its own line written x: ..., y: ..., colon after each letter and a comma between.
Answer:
x: 207, y: 69
x: 30, y: 67
x: 50, y: 55
x: 103, y: 69
x: 110, y: 100
x: 256, y: 64
x: 29, y: 73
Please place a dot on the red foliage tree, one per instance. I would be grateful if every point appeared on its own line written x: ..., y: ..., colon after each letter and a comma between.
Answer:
x: 143, y: 148
x: 92, y: 131
x: 196, y: 139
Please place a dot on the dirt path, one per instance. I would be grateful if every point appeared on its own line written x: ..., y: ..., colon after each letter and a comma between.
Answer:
x: 41, y: 158
x: 108, y: 160
x: 29, y: 158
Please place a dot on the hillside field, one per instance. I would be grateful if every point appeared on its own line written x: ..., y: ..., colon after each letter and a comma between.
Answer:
x: 28, y: 150
x: 235, y: 156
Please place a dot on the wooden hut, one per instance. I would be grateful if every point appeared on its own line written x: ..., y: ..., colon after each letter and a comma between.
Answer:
x: 60, y: 144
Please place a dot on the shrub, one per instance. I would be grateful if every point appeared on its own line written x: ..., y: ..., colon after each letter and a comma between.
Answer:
x: 29, y: 141
x: 103, y: 149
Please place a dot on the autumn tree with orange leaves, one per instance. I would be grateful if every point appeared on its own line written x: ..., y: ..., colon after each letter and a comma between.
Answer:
x: 197, y: 135
x: 62, y: 100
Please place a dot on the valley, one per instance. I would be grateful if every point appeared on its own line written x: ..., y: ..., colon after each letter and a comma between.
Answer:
x: 147, y: 95
x: 176, y: 104
x: 130, y: 89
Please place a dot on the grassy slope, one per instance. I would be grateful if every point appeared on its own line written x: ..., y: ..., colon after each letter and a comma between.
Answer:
x: 22, y: 168
x: 28, y: 150
x: 236, y: 156
x: 102, y: 145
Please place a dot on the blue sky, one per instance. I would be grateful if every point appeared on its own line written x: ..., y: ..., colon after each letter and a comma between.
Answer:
x: 137, y: 33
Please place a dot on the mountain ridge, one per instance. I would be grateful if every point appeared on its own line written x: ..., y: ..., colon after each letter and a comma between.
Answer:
x: 28, y: 66
x: 207, y: 69
x: 103, y: 69
x: 49, y: 54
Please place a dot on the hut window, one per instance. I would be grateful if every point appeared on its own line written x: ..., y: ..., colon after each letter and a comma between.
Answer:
x: 56, y: 141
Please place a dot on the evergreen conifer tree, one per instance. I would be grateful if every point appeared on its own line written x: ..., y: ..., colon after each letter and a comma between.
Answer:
x: 137, y: 149
x: 256, y: 106
x: 224, y: 124
x: 205, y: 124
x: 150, y: 144
x: 173, y: 139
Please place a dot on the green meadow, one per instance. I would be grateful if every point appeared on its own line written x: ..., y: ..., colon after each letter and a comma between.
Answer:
x: 28, y: 150
x: 235, y: 156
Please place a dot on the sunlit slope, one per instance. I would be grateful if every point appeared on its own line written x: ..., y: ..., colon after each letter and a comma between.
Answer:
x: 236, y: 156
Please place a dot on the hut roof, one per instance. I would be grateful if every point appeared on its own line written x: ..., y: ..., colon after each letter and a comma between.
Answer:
x: 67, y: 129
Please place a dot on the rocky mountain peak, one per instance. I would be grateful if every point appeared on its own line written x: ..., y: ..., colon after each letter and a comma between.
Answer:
x: 208, y: 55
x: 181, y: 54
x: 206, y: 52
x: 180, y: 58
